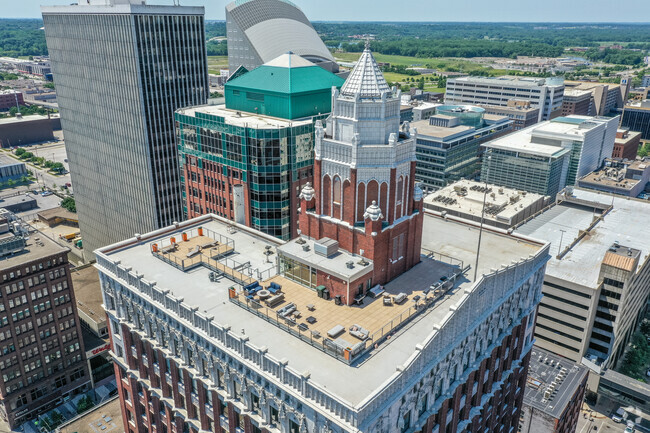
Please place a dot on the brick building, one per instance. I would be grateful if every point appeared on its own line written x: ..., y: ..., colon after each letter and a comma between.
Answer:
x: 578, y: 102
x: 522, y: 113
x: 10, y: 98
x: 42, y: 354
x: 555, y: 390
x: 626, y: 144
x: 364, y: 193
x: 215, y: 328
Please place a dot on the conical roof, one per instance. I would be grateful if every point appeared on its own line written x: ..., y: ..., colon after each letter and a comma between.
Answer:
x: 366, y: 78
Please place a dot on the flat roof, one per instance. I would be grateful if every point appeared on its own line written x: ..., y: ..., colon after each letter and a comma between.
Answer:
x: 426, y: 129
x: 442, y: 236
x: 557, y: 375
x: 631, y: 135
x: 29, y: 118
x: 242, y: 118
x: 466, y: 196
x: 88, y: 292
x: 510, y: 108
x: 615, y: 177
x: 523, y: 140
x: 106, y: 418
x: 37, y: 246
x: 508, y: 80
x: 336, y: 264
x: 58, y: 212
x: 15, y: 199
x: 83, y: 8
x: 576, y: 92
x: 626, y: 223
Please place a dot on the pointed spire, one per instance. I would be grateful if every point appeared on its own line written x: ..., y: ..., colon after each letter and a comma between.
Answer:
x: 366, y: 79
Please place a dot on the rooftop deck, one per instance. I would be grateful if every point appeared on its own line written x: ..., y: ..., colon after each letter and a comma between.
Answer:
x: 334, y: 328
x: 349, y: 383
x: 202, y: 247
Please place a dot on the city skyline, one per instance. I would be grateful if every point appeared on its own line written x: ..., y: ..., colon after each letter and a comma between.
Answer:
x: 582, y: 11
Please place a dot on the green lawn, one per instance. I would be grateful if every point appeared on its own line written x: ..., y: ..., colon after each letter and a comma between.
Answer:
x: 215, y: 63
x: 433, y: 88
x: 393, y: 77
x: 443, y: 64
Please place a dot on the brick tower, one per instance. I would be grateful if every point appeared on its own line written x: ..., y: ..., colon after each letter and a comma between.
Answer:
x: 364, y: 194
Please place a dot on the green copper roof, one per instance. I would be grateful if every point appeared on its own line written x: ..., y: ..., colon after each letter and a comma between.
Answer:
x: 289, y: 74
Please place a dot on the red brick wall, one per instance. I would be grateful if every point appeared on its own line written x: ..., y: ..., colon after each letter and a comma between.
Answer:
x: 510, y: 394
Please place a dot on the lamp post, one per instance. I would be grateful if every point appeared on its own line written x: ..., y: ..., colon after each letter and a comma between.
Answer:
x: 480, y: 232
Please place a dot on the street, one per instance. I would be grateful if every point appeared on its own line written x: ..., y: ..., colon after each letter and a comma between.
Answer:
x: 53, y: 152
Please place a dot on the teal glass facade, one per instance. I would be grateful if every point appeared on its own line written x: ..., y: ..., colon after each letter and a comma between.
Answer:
x: 270, y: 163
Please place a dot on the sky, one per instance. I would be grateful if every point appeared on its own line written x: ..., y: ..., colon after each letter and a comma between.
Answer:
x: 414, y: 10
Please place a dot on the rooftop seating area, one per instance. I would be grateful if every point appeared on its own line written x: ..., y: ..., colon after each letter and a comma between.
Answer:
x: 358, y: 328
x: 202, y: 247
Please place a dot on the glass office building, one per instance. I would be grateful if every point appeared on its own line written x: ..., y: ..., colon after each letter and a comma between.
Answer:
x: 449, y: 144
x: 121, y: 69
x: 247, y: 160
x: 540, y: 174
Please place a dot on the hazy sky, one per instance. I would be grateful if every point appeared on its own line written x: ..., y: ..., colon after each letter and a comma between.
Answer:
x: 415, y: 10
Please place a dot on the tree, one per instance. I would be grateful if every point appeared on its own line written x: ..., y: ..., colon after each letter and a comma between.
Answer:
x: 421, y: 83
x: 645, y: 327
x: 20, y: 151
x: 57, y: 167
x: 69, y: 204
x: 11, y: 183
x: 84, y: 404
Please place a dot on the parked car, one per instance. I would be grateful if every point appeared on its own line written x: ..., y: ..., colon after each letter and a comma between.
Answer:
x: 618, y: 415
x: 68, y: 184
x: 630, y: 424
x: 629, y: 429
x: 46, y: 193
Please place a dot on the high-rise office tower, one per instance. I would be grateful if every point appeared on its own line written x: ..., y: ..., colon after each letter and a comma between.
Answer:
x: 121, y: 69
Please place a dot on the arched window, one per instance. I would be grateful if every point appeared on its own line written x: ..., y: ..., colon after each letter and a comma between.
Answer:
x: 400, y: 190
x: 336, y: 190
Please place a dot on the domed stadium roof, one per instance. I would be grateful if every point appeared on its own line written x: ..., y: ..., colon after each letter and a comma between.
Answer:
x: 261, y: 30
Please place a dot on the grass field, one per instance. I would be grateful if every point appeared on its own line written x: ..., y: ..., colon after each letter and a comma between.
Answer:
x: 442, y: 64
x: 217, y: 62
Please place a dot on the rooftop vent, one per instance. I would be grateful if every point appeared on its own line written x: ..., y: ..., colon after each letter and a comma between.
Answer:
x: 305, y: 248
x: 326, y: 247
x: 350, y: 265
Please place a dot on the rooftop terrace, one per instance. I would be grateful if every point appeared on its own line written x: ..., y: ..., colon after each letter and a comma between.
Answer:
x: 202, y: 288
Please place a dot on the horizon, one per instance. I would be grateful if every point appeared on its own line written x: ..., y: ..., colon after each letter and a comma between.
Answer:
x: 581, y: 23
x: 376, y: 11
